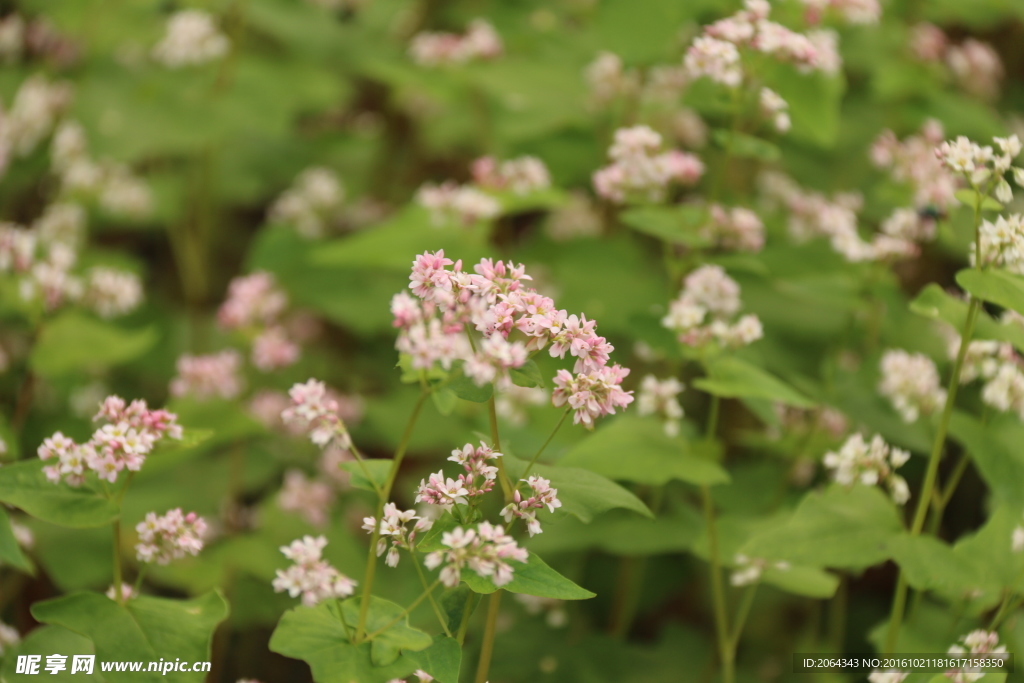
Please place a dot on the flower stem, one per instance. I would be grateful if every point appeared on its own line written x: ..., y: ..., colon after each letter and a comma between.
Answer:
x: 415, y: 603
x: 371, y: 556
x: 118, y: 592
x: 506, y: 485
x: 931, y: 474
x: 742, y: 612
x: 725, y: 651
x: 533, y: 460
x: 487, y: 649
x: 430, y: 596
x: 467, y: 612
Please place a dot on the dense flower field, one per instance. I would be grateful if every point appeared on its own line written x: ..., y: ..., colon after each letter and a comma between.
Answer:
x: 625, y: 341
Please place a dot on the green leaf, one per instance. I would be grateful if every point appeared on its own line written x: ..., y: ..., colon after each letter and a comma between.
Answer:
x: 933, y: 302
x: 527, y: 376
x: 997, y: 286
x: 74, y: 342
x: 144, y: 629
x: 815, y: 101
x: 466, y: 389
x: 677, y: 224
x: 583, y: 493
x: 10, y: 552
x: 444, y: 400
x: 533, y: 578
x: 24, y: 486
x: 442, y: 660
x: 378, y: 468
x: 837, y: 527
x: 969, y: 197
x: 318, y: 636
x: 637, y: 450
x: 732, y: 377
x: 48, y: 640
x: 622, y: 533
x: 798, y: 580
x: 747, y: 146
x: 930, y: 564
x: 995, y: 451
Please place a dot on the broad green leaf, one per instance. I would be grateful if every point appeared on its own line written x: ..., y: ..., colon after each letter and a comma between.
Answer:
x: 747, y: 146
x: 378, y: 469
x: 991, y: 547
x: 969, y: 197
x: 933, y: 302
x: 144, y: 629
x: 814, y: 99
x: 533, y: 578
x: 930, y: 564
x: 995, y: 451
x: 798, y: 580
x: 732, y: 377
x: 75, y: 342
x: 621, y: 533
x: 466, y: 389
x: 837, y: 527
x: 10, y: 552
x: 444, y: 400
x: 442, y: 660
x: 997, y: 286
x: 583, y: 493
x: 677, y: 224
x: 318, y: 636
x: 45, y: 641
x: 24, y: 486
x: 527, y: 376
x: 637, y: 450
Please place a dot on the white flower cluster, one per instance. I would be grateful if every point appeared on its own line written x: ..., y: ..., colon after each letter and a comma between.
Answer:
x: 191, y: 38
x: 608, y: 79
x: 659, y: 397
x: 310, y: 498
x: 487, y: 550
x: 888, y: 676
x: 312, y: 204
x: 999, y: 367
x: 749, y: 569
x: 850, y: 11
x: 9, y: 637
x: 982, y: 167
x: 169, y: 537
x: 113, y: 186
x: 450, y: 202
x: 734, y: 228
x: 870, y: 464
x: 522, y: 175
x: 701, y: 314
x: 311, y: 576
x: 911, y: 382
x: 31, y: 116
x: 112, y: 292
x: 979, y: 642
x: 393, y: 525
x: 776, y: 109
x: 913, y: 161
x: 638, y: 170
x: 480, y: 42
x: 1002, y: 243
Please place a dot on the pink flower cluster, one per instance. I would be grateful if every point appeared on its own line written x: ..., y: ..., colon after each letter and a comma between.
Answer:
x: 450, y: 202
x: 169, y: 537
x: 977, y: 68
x: 317, y: 411
x: 639, y: 171
x: 734, y: 228
x: 913, y: 161
x: 255, y: 305
x: 308, y: 497
x: 701, y: 313
x: 850, y: 11
x: 542, y: 495
x: 211, y: 376
x: 522, y: 176
x: 311, y: 576
x: 478, y: 479
x: 393, y: 525
x: 716, y: 54
x: 487, y: 550
x: 433, y: 49
x: 133, y: 430
x: 495, y: 302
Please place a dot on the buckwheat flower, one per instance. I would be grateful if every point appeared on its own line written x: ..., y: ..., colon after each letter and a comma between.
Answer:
x: 452, y: 203
x: 169, y: 537
x: 660, y: 398
x: 311, y: 576
x: 272, y: 349
x: 591, y: 395
x: 775, y: 108
x: 911, y: 383
x: 511, y: 401
x: 495, y: 357
x: 522, y: 175
x: 1005, y: 391
x: 33, y: 113
x: 735, y: 228
x: 927, y: 42
x: 127, y: 592
x: 716, y: 59
x: 608, y: 79
x: 253, y: 301
x: 850, y: 11
x: 577, y: 217
x: 869, y: 464
x: 749, y: 569
x: 1002, y: 243
x: 124, y: 194
x: 316, y: 411
x: 313, y: 204
x: 434, y: 49
x: 191, y: 38
x: 977, y: 68
x: 909, y: 225
x: 979, y: 642
x: 983, y: 358
x: 62, y: 222
x: 211, y: 376
x: 394, y: 526
x: 12, y: 38
x: 23, y: 535
x: 486, y: 550
x: 888, y: 676
x: 309, y: 498
x: 112, y: 292
x: 639, y: 171
x: 1017, y: 539
x: 556, y: 616
x: 9, y: 637
x: 428, y: 343
x: 541, y: 496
